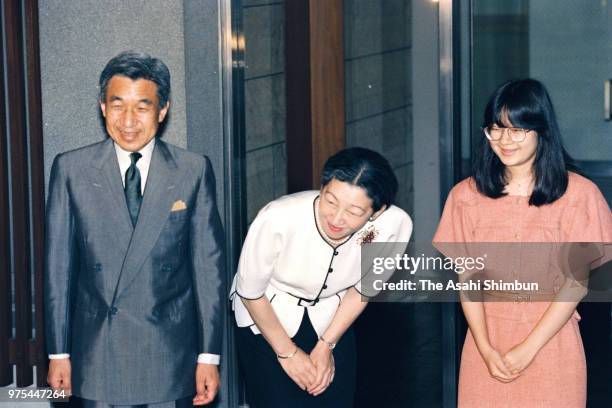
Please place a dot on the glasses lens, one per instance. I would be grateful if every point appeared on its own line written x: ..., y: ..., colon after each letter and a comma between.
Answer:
x: 517, y: 135
x: 494, y: 133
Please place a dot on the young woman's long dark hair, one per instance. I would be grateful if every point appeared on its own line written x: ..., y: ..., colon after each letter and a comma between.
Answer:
x: 527, y: 105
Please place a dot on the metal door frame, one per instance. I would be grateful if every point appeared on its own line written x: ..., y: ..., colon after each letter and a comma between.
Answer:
x: 231, y: 41
x: 454, y: 31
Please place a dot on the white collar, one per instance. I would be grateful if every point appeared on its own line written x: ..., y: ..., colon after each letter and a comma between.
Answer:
x: 146, y: 152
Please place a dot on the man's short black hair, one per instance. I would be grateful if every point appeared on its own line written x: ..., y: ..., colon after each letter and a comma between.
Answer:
x: 137, y: 65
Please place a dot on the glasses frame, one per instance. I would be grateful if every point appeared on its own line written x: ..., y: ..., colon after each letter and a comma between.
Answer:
x: 515, y: 138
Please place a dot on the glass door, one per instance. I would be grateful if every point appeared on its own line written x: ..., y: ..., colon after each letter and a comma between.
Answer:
x: 565, y: 44
x: 399, y: 345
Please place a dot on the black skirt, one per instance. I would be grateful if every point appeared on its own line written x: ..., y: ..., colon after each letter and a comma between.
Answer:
x: 267, y: 384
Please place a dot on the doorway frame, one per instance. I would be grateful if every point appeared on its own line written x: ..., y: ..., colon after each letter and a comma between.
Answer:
x: 454, y: 32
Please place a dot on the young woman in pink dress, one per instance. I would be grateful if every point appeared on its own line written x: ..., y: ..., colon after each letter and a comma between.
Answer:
x: 517, y: 353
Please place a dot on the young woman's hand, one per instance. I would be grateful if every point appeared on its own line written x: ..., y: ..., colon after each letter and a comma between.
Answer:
x: 519, y: 357
x: 497, y: 367
x: 323, y: 360
x: 300, y: 369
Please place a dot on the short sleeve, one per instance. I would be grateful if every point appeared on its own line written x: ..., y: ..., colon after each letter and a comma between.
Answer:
x: 261, y: 247
x: 453, y: 223
x: 448, y: 228
x: 592, y: 222
x: 453, y: 228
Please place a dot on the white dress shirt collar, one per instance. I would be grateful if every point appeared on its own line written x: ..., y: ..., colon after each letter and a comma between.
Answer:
x: 123, y: 157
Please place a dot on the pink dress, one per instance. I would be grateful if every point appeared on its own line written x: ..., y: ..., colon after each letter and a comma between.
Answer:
x: 557, y: 375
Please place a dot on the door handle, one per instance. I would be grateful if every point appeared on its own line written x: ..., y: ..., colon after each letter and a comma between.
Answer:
x: 607, y: 101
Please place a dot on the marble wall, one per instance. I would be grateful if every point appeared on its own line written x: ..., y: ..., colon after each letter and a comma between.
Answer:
x: 76, y: 41
x: 377, y: 91
x: 378, y: 95
x: 570, y: 51
x: 264, y: 88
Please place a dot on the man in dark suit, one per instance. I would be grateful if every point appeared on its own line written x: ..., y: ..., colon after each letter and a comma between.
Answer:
x: 134, y: 279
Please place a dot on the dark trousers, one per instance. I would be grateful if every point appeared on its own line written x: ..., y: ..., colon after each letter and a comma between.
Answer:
x: 267, y: 384
x: 84, y: 403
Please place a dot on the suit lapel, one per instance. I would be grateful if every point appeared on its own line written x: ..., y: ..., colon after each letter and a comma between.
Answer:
x: 109, y: 175
x: 156, y: 204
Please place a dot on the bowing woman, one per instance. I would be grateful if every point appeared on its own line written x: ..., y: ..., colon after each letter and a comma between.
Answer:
x: 517, y: 353
x: 297, y: 289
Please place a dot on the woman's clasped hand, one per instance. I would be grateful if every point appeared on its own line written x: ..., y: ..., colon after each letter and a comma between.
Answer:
x: 312, y: 373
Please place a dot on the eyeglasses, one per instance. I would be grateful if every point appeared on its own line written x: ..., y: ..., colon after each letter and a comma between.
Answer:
x: 516, y: 134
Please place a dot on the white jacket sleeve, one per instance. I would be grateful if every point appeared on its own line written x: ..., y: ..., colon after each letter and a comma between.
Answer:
x: 259, y: 253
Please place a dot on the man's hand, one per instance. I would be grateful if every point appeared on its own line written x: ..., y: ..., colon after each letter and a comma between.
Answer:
x: 58, y: 375
x: 207, y: 383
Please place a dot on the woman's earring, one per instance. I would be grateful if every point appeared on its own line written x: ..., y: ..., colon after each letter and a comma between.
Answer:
x: 371, y: 219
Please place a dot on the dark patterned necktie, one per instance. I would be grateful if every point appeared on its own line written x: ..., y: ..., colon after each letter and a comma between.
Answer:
x: 133, y: 195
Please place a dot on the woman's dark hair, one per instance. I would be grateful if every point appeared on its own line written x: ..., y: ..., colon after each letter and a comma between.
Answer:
x: 527, y: 105
x: 136, y: 65
x: 366, y: 169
